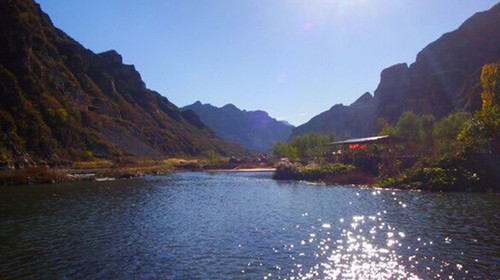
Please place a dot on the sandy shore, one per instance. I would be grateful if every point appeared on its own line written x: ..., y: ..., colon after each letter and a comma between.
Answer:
x: 243, y: 170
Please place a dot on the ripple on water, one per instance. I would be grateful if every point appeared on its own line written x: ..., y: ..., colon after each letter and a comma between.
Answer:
x: 232, y: 226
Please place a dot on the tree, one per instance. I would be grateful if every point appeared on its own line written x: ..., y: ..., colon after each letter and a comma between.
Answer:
x: 446, y: 130
x: 490, y: 79
x: 304, y: 147
x: 285, y: 150
x: 388, y: 129
x: 385, y: 127
x: 280, y: 149
x: 427, y: 124
x: 482, y: 132
x: 409, y: 127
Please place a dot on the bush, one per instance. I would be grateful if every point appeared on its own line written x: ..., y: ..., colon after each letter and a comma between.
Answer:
x: 449, y: 174
x: 286, y: 171
x: 289, y: 171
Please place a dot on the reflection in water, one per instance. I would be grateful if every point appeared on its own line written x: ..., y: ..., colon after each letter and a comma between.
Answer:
x: 356, y: 253
x: 233, y: 226
x: 367, y: 248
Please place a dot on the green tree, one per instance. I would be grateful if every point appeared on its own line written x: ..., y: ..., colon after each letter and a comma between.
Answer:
x: 427, y: 124
x: 409, y: 127
x: 446, y: 130
x: 388, y: 129
x: 285, y: 150
x: 304, y: 147
x: 385, y: 127
x: 280, y: 149
x: 293, y: 153
x: 311, y: 146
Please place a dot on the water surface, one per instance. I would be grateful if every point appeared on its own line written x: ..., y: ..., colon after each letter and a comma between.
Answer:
x: 244, y: 226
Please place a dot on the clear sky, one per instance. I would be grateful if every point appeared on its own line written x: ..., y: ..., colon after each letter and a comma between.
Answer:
x: 291, y: 58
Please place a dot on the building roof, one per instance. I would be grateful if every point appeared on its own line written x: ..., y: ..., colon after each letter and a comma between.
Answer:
x: 367, y: 140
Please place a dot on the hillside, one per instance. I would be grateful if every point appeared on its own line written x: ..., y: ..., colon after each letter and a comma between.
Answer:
x: 254, y: 130
x: 443, y: 79
x: 61, y: 101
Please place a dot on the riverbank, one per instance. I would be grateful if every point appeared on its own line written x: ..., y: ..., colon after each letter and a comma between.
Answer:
x: 102, y: 170
x: 335, y: 173
x: 452, y: 175
x: 237, y: 169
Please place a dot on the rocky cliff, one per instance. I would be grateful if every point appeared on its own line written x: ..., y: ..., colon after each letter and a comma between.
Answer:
x: 443, y: 79
x: 61, y: 101
x: 254, y: 130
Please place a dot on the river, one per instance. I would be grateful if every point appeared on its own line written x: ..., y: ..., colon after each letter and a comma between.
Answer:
x: 244, y: 226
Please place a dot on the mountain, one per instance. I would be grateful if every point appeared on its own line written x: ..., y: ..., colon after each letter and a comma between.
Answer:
x: 444, y: 78
x: 341, y: 119
x: 287, y: 123
x: 254, y: 130
x: 61, y: 101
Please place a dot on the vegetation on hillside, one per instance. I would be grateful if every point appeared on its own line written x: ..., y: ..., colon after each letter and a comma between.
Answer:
x: 61, y: 102
x: 444, y: 78
x: 458, y: 152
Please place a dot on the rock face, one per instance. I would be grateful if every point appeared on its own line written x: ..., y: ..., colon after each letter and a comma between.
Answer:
x: 62, y: 101
x: 443, y: 79
x: 342, y: 120
x: 255, y: 130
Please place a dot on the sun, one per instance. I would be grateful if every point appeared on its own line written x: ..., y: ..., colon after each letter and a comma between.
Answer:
x: 324, y: 11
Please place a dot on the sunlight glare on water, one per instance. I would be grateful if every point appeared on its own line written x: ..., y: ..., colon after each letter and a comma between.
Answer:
x: 243, y: 226
x: 366, y: 248
x: 361, y: 251
x: 354, y: 255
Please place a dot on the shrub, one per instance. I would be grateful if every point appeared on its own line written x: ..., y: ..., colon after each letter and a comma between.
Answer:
x: 289, y: 171
x: 449, y: 174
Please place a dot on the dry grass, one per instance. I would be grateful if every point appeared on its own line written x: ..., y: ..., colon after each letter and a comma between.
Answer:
x: 119, y: 168
x: 36, y: 175
x: 129, y: 172
x: 100, y: 163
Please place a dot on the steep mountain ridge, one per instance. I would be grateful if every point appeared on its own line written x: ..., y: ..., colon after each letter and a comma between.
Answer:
x: 61, y: 101
x: 254, y: 130
x: 444, y: 78
x: 343, y: 120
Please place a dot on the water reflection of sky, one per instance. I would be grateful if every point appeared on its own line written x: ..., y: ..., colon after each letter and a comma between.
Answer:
x: 244, y: 226
x: 368, y: 246
x: 361, y: 247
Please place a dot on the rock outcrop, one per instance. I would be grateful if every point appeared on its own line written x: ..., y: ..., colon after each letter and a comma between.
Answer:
x: 60, y: 101
x: 344, y: 121
x: 443, y: 79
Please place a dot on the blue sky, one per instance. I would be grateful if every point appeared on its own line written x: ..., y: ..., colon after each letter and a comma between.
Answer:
x: 291, y: 58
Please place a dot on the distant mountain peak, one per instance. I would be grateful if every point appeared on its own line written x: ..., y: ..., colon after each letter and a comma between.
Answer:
x: 255, y: 130
x: 111, y: 56
x: 287, y: 123
x: 366, y: 97
x: 230, y: 106
x: 61, y: 101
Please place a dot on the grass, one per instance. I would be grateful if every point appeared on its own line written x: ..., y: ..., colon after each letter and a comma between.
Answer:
x: 119, y: 168
x: 100, y: 163
x: 311, y: 172
x: 36, y: 175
